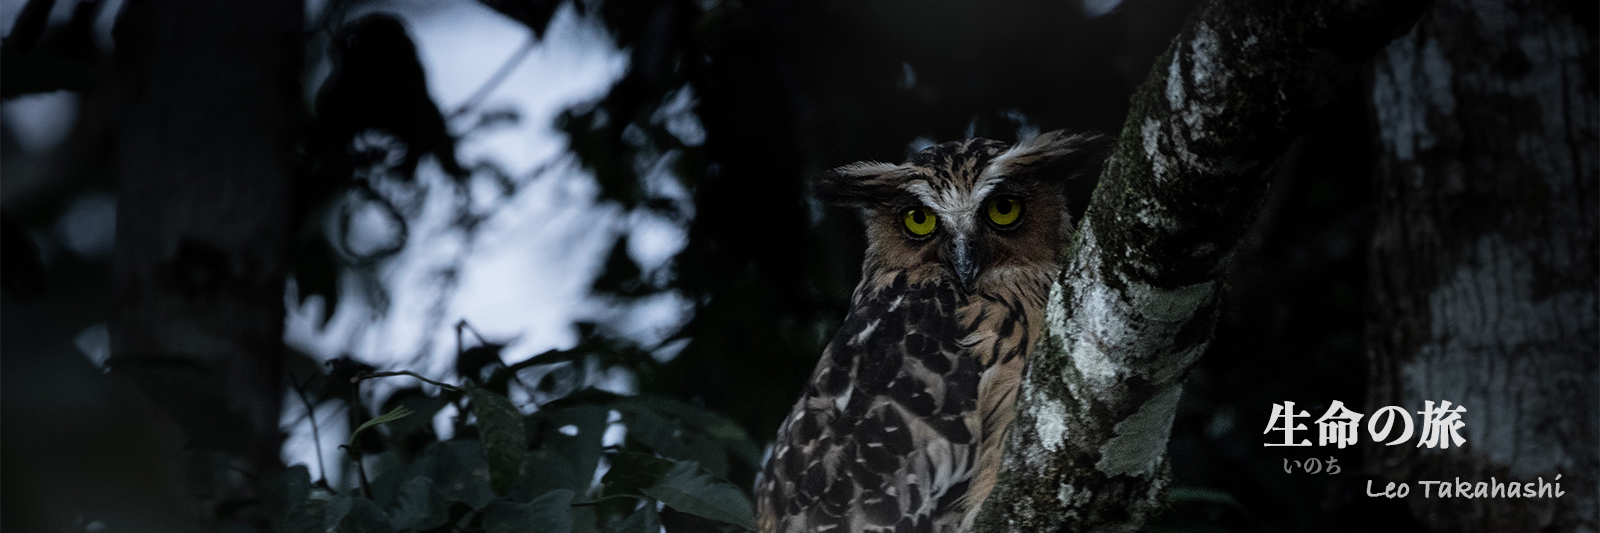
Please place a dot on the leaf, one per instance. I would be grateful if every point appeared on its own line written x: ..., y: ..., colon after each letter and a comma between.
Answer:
x: 335, y: 510
x: 621, y: 276
x: 306, y: 517
x: 674, y: 439
x: 287, y: 503
x: 364, y: 517
x: 726, y: 432
x: 551, y: 513
x: 419, y: 506
x: 643, y: 520
x: 504, y: 439
x: 688, y: 489
x: 584, y: 520
x: 644, y: 415
x: 423, y: 405
x: 471, y: 362
x: 582, y: 447
x: 632, y: 472
x: 296, y: 484
x: 546, y: 470
x: 550, y: 357
x: 457, y: 468
x: 396, y: 414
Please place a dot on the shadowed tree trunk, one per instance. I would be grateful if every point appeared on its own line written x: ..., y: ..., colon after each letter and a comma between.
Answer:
x: 1137, y: 301
x: 208, y: 97
x: 1484, y: 261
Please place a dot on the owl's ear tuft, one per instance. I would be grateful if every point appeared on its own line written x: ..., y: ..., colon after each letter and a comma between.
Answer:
x: 860, y: 184
x: 1053, y: 155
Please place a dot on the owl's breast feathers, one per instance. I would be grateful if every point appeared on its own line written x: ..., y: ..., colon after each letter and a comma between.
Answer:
x: 898, y: 428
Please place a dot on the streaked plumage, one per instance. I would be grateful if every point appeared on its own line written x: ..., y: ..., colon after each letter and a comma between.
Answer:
x: 898, y: 429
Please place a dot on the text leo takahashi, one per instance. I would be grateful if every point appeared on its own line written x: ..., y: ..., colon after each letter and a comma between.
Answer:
x: 1466, y: 489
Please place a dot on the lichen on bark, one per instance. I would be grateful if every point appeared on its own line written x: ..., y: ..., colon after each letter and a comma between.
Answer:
x: 1136, y: 301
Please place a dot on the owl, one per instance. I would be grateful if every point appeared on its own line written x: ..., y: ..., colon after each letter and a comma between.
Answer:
x: 899, y: 427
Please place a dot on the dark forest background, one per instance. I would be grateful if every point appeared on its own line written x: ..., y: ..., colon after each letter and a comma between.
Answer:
x: 783, y: 90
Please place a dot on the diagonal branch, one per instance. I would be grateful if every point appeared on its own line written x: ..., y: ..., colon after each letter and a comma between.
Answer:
x: 1136, y: 302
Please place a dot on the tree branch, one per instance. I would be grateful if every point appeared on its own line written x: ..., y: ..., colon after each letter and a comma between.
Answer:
x: 370, y: 375
x: 1136, y: 302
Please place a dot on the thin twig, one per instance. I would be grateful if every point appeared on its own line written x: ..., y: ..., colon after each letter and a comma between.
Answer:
x: 361, y: 469
x: 316, y: 435
x: 464, y: 325
x: 369, y: 375
x: 495, y: 80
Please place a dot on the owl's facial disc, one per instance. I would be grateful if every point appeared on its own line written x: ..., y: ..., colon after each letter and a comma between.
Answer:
x: 961, y: 211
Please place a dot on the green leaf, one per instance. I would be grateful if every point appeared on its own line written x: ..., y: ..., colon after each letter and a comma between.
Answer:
x: 550, y: 513
x: 421, y: 404
x: 504, y: 439
x: 688, y: 489
x: 306, y: 517
x: 673, y: 439
x: 584, y: 520
x: 546, y: 470
x: 632, y: 472
x: 643, y: 520
x: 463, y: 474
x: 398, y: 413
x: 726, y: 432
x: 419, y: 506
x: 580, y: 444
x: 646, y: 414
x: 364, y: 517
x: 296, y: 484
x: 456, y: 467
x: 335, y: 510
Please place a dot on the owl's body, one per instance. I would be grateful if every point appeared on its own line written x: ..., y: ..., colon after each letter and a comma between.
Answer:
x: 899, y: 428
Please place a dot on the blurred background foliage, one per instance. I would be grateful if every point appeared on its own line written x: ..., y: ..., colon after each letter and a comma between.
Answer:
x: 739, y: 103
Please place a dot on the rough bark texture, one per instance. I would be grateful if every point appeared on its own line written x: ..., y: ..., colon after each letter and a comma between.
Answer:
x: 208, y: 96
x: 1484, y: 258
x: 1137, y: 300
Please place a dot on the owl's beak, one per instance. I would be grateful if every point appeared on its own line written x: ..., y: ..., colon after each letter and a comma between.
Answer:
x: 965, y: 263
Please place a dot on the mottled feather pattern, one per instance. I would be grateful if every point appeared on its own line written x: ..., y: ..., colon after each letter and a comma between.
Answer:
x: 881, y: 434
x: 888, y: 435
x: 900, y: 427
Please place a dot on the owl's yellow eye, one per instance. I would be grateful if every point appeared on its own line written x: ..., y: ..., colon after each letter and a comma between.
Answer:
x: 920, y: 221
x: 1004, y: 211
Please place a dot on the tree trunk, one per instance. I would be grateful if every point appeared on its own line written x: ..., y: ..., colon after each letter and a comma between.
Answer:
x: 1484, y: 258
x: 209, y: 93
x: 1137, y: 300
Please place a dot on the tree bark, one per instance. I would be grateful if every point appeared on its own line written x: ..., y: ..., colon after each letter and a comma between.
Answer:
x: 1137, y: 300
x: 209, y: 93
x: 1484, y: 258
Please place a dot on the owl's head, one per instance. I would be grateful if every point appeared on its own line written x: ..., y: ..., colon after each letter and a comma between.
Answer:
x: 976, y: 211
